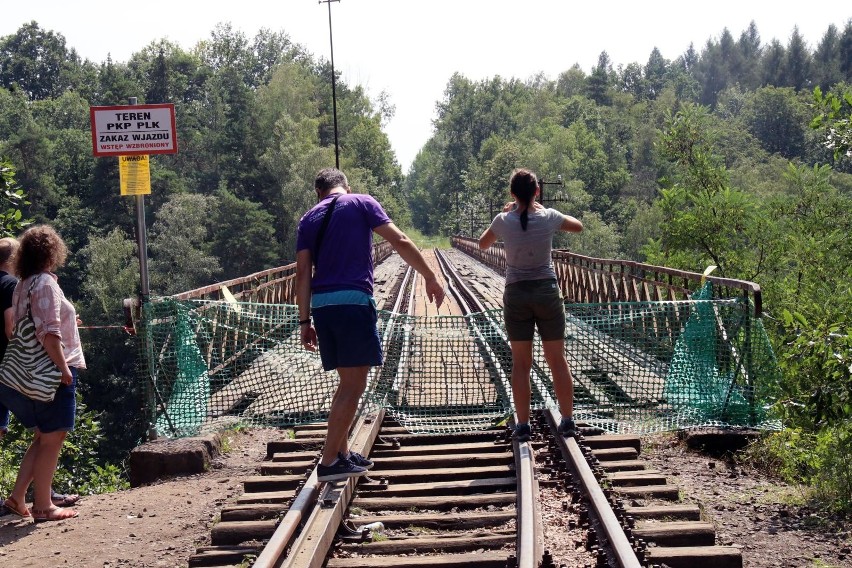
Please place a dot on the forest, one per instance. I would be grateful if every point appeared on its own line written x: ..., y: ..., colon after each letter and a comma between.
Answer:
x: 734, y: 154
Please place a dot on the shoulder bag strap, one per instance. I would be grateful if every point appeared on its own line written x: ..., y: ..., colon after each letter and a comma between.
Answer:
x: 323, y: 227
x: 29, y: 292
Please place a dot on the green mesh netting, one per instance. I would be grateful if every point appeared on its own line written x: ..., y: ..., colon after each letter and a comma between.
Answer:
x: 637, y: 367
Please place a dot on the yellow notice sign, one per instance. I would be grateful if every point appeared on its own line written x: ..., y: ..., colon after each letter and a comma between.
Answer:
x: 135, y: 175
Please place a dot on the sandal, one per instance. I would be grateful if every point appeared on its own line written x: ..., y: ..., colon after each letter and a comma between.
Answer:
x: 61, y: 500
x: 14, y: 507
x: 53, y: 514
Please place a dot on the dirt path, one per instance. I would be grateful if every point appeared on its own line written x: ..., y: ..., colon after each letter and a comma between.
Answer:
x: 158, y: 525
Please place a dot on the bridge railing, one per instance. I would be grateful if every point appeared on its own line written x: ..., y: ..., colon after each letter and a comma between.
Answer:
x: 642, y: 356
x: 272, y: 286
x: 588, y: 280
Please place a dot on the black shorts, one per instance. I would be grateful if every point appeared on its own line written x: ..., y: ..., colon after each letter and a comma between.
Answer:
x: 534, y: 303
x: 348, y: 335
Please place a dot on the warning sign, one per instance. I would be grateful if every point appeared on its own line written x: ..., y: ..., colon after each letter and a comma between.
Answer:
x: 133, y: 130
x: 135, y: 174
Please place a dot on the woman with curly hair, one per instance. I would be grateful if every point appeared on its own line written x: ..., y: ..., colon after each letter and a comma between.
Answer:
x: 41, y: 252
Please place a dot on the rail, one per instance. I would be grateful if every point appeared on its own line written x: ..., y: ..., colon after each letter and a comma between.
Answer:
x: 587, y: 280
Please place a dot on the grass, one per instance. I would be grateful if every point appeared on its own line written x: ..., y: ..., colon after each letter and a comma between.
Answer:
x: 227, y: 445
x: 419, y: 530
x: 428, y: 241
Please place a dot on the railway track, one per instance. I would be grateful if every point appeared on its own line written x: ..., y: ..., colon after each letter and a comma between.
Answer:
x: 455, y: 499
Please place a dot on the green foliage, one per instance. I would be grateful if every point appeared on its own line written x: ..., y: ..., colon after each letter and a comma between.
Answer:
x: 243, y: 235
x: 422, y: 241
x: 834, y: 119
x: 181, y: 255
x: 705, y: 220
x: 34, y: 61
x: 112, y: 271
x: 597, y: 239
x: 11, y: 200
x: 776, y: 117
x: 817, y: 360
x: 80, y: 470
x: 818, y: 460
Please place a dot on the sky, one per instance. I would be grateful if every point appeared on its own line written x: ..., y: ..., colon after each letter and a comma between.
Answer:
x: 410, y: 49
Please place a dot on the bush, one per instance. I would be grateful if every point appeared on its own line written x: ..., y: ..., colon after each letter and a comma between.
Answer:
x: 79, y: 470
x: 818, y: 460
x: 817, y: 365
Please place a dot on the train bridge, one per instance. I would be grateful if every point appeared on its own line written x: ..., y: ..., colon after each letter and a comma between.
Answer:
x: 651, y: 348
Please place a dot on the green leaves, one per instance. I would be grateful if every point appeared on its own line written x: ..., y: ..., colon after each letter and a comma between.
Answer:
x: 12, y: 198
x: 834, y: 118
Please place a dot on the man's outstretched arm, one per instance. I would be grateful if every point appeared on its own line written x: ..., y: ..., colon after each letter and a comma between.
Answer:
x: 411, y: 254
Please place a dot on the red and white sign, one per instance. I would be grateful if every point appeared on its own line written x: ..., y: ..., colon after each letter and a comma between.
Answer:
x: 131, y: 130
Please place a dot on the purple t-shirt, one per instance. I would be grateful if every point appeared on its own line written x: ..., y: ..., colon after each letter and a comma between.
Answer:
x: 346, y: 258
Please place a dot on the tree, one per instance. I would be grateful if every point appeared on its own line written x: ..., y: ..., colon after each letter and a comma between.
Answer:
x: 773, y: 64
x: 116, y: 84
x: 27, y: 145
x: 749, y: 49
x: 714, y: 70
x: 631, y: 80
x: 834, y: 118
x: 598, y: 239
x: 112, y: 273
x: 797, y: 64
x: 32, y: 60
x: 706, y: 221
x: 776, y: 117
x: 571, y: 82
x: 181, y: 256
x: 827, y: 60
x: 846, y: 52
x: 656, y: 71
x: 243, y: 236
x: 600, y: 81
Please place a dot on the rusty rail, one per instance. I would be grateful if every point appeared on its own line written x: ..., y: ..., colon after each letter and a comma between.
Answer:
x: 585, y: 280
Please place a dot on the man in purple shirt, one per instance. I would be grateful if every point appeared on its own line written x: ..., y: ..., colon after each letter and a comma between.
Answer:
x: 334, y: 284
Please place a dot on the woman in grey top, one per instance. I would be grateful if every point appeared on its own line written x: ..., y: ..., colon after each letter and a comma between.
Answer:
x: 532, y: 297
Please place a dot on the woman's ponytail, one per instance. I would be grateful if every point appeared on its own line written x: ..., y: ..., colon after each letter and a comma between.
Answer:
x: 523, y: 185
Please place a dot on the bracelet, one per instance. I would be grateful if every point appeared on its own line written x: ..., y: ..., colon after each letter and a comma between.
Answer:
x: 303, y: 322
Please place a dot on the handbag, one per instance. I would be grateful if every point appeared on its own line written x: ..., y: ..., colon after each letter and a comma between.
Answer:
x: 26, y: 366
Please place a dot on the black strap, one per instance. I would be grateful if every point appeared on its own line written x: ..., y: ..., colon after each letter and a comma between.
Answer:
x: 323, y: 227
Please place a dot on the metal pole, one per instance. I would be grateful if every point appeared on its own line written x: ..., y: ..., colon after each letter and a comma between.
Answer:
x: 142, y: 241
x: 333, y: 85
x: 144, y: 296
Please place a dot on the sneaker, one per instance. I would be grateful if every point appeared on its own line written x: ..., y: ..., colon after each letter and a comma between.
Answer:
x: 567, y: 427
x: 522, y: 432
x: 341, y: 469
x: 359, y: 460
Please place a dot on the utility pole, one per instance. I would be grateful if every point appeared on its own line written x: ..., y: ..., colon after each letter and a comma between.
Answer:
x: 333, y: 86
x: 142, y: 240
x: 542, y: 183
